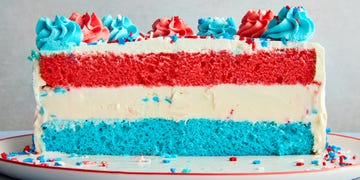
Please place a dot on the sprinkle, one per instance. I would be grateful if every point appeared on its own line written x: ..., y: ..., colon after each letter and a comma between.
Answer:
x: 79, y: 163
x: 34, y: 55
x: 43, y: 159
x: 59, y: 90
x: 43, y: 93
x: 354, y: 157
x: 121, y: 41
x: 104, y: 164
x: 42, y: 110
x: 59, y: 163
x: 256, y: 162
x: 314, y: 111
x: 166, y: 161
x: 324, y: 163
x: 233, y: 158
x: 288, y: 7
x: 26, y: 148
x: 173, y: 38
x: 14, y: 159
x: 186, y: 170
x: 28, y: 160
x: 315, y: 162
x: 156, y: 99
x: 328, y: 130
x: 4, y: 155
x: 264, y: 42
x: 172, y: 170
x: 58, y: 159
x: 299, y: 163
x: 145, y: 99
x: 168, y: 100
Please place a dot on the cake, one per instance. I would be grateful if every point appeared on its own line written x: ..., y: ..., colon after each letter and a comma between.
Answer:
x: 103, y: 87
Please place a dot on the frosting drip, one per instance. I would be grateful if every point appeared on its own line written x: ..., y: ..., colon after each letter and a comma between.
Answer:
x: 170, y: 27
x: 59, y: 34
x: 91, y: 27
x: 254, y: 24
x: 291, y: 24
x: 121, y: 28
x: 217, y: 27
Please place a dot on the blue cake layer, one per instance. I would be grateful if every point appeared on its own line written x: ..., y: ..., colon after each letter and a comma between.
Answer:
x: 194, y: 137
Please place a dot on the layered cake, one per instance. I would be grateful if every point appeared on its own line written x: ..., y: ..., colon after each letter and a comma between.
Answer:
x: 102, y: 86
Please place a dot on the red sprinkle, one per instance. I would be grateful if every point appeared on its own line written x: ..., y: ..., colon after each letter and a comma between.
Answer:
x: 354, y: 157
x: 27, y: 148
x: 14, y: 159
x: 324, y: 163
x: 287, y: 7
x: 299, y: 163
x: 104, y: 163
x: 233, y: 159
x: 4, y: 155
x: 332, y: 161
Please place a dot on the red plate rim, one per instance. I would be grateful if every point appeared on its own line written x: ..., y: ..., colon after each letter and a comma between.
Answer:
x: 181, y: 174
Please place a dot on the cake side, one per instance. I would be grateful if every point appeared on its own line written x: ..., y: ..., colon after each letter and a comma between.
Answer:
x: 133, y: 103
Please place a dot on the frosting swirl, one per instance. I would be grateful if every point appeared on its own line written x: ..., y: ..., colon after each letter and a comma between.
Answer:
x: 254, y: 24
x: 217, y: 27
x: 291, y: 24
x: 60, y: 34
x: 121, y: 28
x: 91, y: 26
x: 170, y: 27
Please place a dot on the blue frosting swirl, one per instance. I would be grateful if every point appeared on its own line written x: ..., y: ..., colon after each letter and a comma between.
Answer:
x: 291, y: 24
x: 121, y: 28
x: 60, y: 34
x: 217, y: 27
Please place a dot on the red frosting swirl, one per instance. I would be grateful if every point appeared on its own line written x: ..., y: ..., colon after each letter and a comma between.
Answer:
x: 171, y: 26
x: 91, y: 27
x: 254, y: 24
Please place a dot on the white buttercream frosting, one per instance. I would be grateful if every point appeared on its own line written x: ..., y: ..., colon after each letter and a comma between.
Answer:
x: 280, y: 103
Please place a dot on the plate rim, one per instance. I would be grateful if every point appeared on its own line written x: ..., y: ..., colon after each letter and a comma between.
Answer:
x: 177, y: 173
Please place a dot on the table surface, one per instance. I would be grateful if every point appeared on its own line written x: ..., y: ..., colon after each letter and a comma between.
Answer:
x: 5, y: 134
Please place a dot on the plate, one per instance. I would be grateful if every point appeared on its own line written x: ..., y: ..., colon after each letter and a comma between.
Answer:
x: 58, y: 166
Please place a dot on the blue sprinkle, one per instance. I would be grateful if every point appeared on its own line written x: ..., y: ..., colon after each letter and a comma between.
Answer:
x: 101, y: 40
x: 256, y: 162
x: 43, y: 93
x: 201, y: 20
x: 58, y: 159
x: 264, y: 42
x: 174, y: 38
x: 78, y: 163
x: 315, y: 162
x: 34, y: 55
x: 186, y: 170
x: 28, y: 160
x: 145, y: 99
x: 168, y: 100
x: 172, y: 170
x: 328, y: 130
x: 284, y: 41
x: 57, y: 164
x: 331, y: 154
x: 121, y: 41
x: 92, y: 43
x: 156, y: 99
x: 166, y: 161
x: 42, y: 110
x: 59, y: 90
x: 314, y: 111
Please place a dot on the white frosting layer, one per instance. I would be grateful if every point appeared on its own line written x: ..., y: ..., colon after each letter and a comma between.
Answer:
x: 278, y: 103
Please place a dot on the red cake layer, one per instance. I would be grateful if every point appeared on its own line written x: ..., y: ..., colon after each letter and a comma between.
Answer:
x: 281, y: 66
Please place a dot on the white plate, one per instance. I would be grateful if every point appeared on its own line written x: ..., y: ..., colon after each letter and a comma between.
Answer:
x: 132, y: 167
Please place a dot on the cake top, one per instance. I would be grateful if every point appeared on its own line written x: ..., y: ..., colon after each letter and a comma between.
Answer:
x: 291, y: 24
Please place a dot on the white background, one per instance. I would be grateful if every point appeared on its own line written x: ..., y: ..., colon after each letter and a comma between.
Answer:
x: 337, y: 29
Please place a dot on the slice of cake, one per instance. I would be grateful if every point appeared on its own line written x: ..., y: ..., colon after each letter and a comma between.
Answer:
x: 102, y: 87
